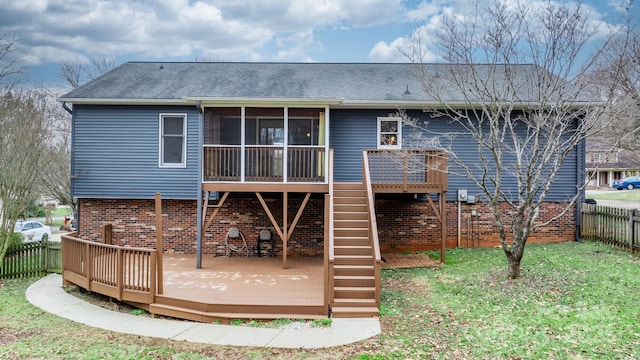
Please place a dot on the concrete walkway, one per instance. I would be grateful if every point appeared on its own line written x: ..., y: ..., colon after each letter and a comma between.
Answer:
x: 48, y: 294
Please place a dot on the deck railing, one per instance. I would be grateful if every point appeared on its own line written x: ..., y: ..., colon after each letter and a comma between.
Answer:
x: 264, y: 163
x: 411, y: 171
x: 123, y: 273
x: 373, y: 224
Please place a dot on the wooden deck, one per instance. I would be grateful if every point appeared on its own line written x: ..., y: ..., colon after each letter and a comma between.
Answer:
x: 240, y: 288
x: 345, y: 282
x: 246, y: 281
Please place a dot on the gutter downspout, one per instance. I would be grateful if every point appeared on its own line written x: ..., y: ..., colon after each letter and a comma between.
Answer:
x: 199, y: 194
x: 74, y: 200
x: 64, y: 106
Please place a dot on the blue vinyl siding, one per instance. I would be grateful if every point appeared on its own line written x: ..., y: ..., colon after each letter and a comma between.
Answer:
x: 115, y: 153
x: 351, y: 131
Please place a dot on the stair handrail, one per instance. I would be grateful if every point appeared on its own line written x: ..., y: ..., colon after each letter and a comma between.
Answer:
x: 330, y: 242
x: 331, y: 237
x: 373, y: 224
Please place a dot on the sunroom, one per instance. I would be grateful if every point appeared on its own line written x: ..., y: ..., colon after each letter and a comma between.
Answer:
x: 265, y: 144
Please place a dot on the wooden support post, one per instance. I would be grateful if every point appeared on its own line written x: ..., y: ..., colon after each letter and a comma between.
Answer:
x: 106, y: 231
x: 285, y: 209
x: 443, y: 225
x: 214, y: 213
x: 159, y: 245
x: 298, y: 215
x: 285, y: 230
x: 120, y: 275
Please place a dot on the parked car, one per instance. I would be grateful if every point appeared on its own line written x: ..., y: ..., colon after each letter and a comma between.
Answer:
x: 630, y: 183
x: 33, y: 231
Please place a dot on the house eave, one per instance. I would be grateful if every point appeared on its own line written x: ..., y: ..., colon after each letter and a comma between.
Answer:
x: 264, y: 102
x: 413, y: 104
x: 335, y: 103
x: 209, y: 101
x: 114, y: 101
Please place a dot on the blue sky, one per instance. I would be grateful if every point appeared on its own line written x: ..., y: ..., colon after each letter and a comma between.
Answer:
x: 49, y: 32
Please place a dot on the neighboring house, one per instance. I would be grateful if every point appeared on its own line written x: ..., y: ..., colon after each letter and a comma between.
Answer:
x: 249, y: 145
x: 604, y: 165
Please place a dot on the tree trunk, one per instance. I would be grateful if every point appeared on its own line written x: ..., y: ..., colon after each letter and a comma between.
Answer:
x: 514, y: 257
x: 514, y: 268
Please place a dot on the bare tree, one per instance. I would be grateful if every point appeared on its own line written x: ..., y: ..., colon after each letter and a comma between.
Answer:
x: 75, y: 73
x: 619, y: 69
x: 57, y: 180
x: 9, y: 64
x: 527, y: 121
x: 23, y: 140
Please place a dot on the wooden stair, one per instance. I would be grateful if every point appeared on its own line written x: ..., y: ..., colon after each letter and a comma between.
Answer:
x: 354, y: 292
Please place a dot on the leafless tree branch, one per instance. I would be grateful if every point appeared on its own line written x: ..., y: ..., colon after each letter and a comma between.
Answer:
x: 527, y: 120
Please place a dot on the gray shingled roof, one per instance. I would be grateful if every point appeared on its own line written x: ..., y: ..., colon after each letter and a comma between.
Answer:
x: 349, y: 82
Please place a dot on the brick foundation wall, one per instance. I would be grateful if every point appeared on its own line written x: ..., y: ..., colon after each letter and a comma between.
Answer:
x: 403, y: 224
x: 134, y: 224
x: 409, y: 225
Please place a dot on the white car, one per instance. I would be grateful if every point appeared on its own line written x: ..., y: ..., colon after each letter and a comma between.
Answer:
x: 33, y: 231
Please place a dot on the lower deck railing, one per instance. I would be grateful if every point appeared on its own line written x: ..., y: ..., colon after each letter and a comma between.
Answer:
x: 410, y: 171
x: 123, y: 273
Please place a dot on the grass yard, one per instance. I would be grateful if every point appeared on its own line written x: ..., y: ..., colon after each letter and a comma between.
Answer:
x: 622, y: 195
x: 575, y: 301
x: 61, y: 211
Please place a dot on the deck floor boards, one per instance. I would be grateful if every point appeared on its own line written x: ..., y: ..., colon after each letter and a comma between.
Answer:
x: 241, y: 280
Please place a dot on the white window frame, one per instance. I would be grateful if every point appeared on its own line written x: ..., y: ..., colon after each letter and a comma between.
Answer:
x: 161, y: 163
x: 398, y: 144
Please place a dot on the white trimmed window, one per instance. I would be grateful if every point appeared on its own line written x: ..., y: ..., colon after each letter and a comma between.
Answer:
x: 173, y: 140
x: 389, y: 133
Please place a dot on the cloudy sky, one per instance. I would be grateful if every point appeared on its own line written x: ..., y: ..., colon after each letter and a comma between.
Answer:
x: 48, y: 32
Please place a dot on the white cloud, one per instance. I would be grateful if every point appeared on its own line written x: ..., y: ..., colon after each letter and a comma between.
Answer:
x: 384, y: 52
x: 422, y: 36
x: 294, y: 47
x: 52, y: 31
x: 232, y: 29
x: 430, y: 13
x: 424, y: 10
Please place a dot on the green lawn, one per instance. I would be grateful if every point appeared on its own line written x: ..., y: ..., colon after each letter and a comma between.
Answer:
x: 575, y: 301
x: 623, y: 195
x: 61, y: 211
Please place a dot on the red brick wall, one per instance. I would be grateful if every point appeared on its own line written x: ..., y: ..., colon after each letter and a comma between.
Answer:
x: 409, y: 225
x: 403, y: 224
x: 134, y: 224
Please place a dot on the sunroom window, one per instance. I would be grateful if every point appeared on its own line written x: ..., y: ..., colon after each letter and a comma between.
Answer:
x: 173, y: 142
x: 280, y: 144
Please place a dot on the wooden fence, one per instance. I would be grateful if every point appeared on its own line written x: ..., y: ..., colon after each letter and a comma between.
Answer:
x: 32, y: 259
x: 620, y: 227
